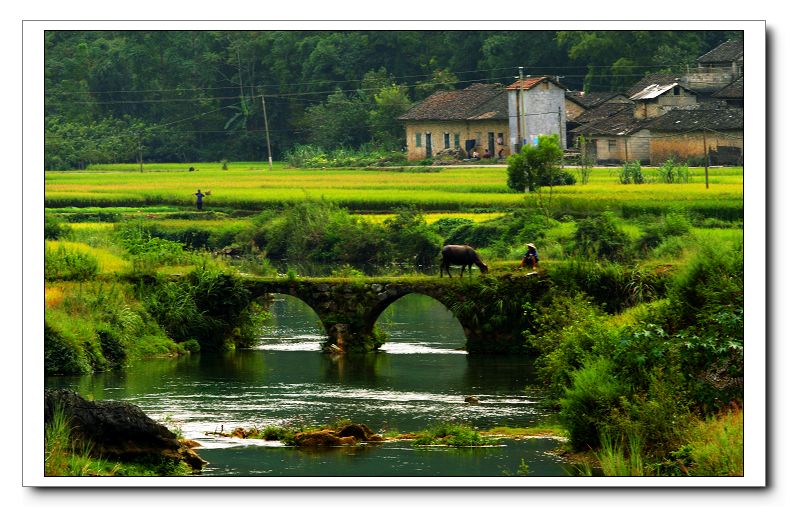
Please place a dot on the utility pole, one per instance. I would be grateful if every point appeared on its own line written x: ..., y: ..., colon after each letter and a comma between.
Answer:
x: 520, y: 93
x: 517, y: 104
x: 267, y: 139
x: 706, y: 158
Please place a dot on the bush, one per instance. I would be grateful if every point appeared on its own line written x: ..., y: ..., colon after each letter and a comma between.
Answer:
x: 62, y: 353
x: 411, y: 240
x: 62, y: 263
x: 672, y: 172
x: 631, y: 173
x: 589, y: 402
x: 55, y: 229
x: 601, y: 237
x: 210, y: 306
x: 671, y: 225
x: 571, y: 328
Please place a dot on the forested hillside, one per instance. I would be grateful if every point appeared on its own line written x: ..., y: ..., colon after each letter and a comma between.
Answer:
x: 191, y: 96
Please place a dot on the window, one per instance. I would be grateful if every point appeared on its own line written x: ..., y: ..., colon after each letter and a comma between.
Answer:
x: 446, y: 143
x: 418, y: 139
x: 456, y: 140
x: 676, y: 90
x: 500, y: 138
x: 611, y: 144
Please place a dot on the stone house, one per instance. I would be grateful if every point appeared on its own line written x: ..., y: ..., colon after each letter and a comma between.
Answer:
x: 681, y: 135
x: 614, y: 134
x: 659, y: 98
x: 717, y: 68
x: 732, y: 94
x: 595, y: 106
x: 537, y: 106
x: 460, y: 120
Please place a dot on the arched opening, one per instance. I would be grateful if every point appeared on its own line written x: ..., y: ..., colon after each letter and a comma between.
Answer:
x: 417, y: 323
x: 293, y: 325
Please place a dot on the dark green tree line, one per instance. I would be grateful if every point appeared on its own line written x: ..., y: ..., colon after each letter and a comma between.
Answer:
x: 197, y: 95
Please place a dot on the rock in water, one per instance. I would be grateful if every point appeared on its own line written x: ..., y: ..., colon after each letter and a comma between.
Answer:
x: 118, y: 430
x: 470, y: 399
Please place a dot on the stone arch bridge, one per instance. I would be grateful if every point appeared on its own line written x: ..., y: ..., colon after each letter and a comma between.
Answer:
x: 489, y: 308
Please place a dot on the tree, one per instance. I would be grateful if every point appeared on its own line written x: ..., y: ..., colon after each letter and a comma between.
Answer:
x: 534, y: 164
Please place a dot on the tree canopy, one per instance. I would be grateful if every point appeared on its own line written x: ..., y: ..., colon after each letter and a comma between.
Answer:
x: 197, y: 95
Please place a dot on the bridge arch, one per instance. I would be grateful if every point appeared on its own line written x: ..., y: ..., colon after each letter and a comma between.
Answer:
x: 293, y: 316
x: 418, y: 313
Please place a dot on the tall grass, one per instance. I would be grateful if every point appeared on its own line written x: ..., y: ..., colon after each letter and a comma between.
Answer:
x: 716, y: 445
x: 621, y: 458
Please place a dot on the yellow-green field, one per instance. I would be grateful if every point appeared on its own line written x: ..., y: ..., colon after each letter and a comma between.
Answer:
x: 253, y: 186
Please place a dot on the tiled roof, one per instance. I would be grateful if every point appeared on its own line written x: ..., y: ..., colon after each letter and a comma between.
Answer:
x: 688, y: 120
x: 604, y: 111
x: 590, y: 100
x: 620, y: 123
x: 734, y: 90
x: 530, y: 82
x: 476, y: 102
x: 726, y: 52
x: 648, y: 80
x: 655, y: 90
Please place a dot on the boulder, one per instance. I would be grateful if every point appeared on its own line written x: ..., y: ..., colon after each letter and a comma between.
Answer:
x: 118, y: 430
x: 358, y: 431
x: 321, y: 438
x: 470, y: 399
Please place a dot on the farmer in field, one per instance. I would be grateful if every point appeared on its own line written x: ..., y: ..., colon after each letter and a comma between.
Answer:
x: 199, y: 195
x: 531, y: 257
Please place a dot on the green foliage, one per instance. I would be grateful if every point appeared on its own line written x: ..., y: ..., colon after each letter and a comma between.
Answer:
x: 63, y: 354
x: 64, y: 263
x: 55, y: 228
x: 147, y: 251
x: 672, y: 172
x: 586, y: 160
x: 454, y: 435
x: 209, y: 305
x: 715, y: 446
x: 536, y: 166
x: 587, y: 405
x: 410, y: 238
x: 310, y: 156
x: 631, y: 173
x: 318, y: 232
x: 567, y: 331
x: 673, y: 224
x: 601, y: 237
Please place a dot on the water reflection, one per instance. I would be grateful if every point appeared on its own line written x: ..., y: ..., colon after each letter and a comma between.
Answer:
x: 420, y: 379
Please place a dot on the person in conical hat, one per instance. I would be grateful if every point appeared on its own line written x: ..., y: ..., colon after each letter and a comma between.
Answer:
x: 530, y: 258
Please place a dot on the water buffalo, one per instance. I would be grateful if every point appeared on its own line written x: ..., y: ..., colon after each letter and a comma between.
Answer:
x: 460, y: 255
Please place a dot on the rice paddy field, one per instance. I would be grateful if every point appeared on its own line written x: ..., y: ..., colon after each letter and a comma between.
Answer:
x: 480, y: 190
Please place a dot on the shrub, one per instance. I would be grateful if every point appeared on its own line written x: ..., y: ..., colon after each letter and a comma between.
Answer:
x: 209, y: 305
x: 587, y: 405
x: 62, y: 353
x: 54, y: 228
x: 672, y: 172
x: 63, y: 263
x: 673, y: 224
x: 601, y: 237
x: 410, y: 239
x: 631, y: 173
x: 568, y: 330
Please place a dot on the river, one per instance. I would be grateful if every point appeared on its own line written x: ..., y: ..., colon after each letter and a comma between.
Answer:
x: 419, y: 378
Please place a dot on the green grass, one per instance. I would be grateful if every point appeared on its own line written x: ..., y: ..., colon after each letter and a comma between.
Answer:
x: 252, y: 186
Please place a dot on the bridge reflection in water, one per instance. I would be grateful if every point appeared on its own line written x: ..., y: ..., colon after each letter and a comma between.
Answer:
x: 489, y: 308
